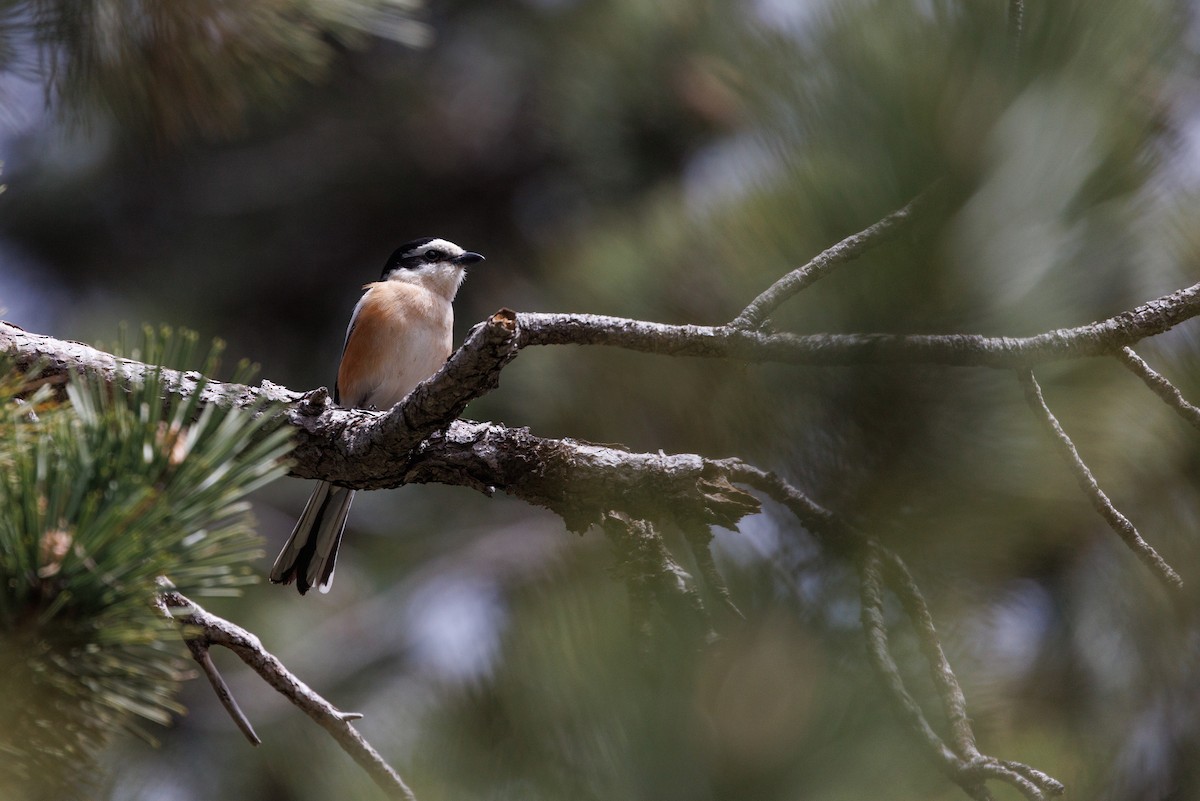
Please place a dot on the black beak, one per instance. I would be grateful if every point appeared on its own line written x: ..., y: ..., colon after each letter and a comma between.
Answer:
x: 468, y: 258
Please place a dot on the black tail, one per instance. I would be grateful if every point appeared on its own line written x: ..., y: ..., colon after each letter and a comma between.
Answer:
x: 310, y: 553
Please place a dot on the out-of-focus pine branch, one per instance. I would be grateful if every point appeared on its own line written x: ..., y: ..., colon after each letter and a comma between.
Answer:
x: 178, y: 70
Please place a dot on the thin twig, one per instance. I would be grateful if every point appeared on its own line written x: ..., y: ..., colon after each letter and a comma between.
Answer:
x: 878, y: 648
x: 954, y: 703
x: 200, y: 652
x: 825, y: 262
x: 200, y: 626
x: 1100, y: 502
x: 1160, y: 386
x: 1016, y: 26
x: 835, y: 535
x: 699, y: 537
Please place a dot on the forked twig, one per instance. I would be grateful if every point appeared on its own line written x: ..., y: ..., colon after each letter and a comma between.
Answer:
x: 969, y: 767
x: 879, y: 568
x: 201, y: 630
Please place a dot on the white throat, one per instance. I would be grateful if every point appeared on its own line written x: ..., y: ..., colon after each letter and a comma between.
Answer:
x: 441, y: 279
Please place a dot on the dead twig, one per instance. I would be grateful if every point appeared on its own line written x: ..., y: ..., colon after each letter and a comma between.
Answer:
x: 961, y: 760
x: 824, y: 263
x: 880, y: 568
x: 1160, y: 386
x: 1087, y: 482
x: 202, y: 630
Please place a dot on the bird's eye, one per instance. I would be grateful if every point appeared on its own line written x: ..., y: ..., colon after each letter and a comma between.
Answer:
x: 433, y: 254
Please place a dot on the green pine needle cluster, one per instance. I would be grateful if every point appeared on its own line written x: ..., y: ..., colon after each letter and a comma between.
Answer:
x: 102, y: 491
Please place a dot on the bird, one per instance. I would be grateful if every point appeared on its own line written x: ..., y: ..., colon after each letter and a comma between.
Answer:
x: 400, y: 333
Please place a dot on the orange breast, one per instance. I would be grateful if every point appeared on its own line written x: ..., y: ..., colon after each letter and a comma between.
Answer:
x: 401, y: 335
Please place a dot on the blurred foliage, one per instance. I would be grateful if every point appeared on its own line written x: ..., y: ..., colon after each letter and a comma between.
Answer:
x: 174, y: 71
x: 102, y: 495
x: 668, y: 161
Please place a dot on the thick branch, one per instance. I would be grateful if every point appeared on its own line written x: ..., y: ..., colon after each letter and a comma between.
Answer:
x: 419, y: 441
x: 473, y: 369
x: 59, y: 358
x: 201, y: 630
x: 580, y: 481
x: 374, y: 444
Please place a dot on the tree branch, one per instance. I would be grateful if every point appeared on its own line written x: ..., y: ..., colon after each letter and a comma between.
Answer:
x: 200, y: 652
x: 824, y: 263
x: 201, y: 630
x: 879, y: 650
x: 1087, y: 482
x: 421, y: 440
x: 1160, y: 386
x: 879, y: 567
x: 474, y: 368
x: 579, y: 481
x: 1100, y: 338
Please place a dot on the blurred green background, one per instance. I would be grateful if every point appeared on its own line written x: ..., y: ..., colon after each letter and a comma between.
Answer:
x: 242, y: 168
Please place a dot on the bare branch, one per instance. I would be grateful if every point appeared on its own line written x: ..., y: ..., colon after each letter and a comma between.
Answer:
x: 834, y: 533
x: 961, y: 761
x: 375, y: 450
x: 954, y: 703
x: 579, y: 481
x: 205, y: 629
x: 1160, y: 386
x: 824, y: 263
x: 875, y: 627
x: 473, y: 369
x: 359, y: 448
x: 1100, y: 338
x: 200, y: 652
x: 878, y: 566
x: 1100, y: 502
